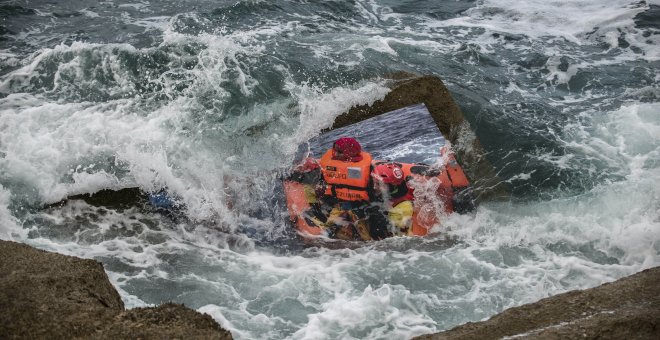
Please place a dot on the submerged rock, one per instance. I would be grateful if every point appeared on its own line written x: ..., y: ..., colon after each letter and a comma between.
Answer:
x: 625, y: 309
x: 49, y: 295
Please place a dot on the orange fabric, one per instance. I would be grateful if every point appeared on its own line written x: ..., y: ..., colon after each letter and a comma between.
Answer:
x: 346, y: 181
x: 425, y: 213
x: 445, y: 191
x: 424, y: 217
x: 297, y: 205
x: 458, y: 178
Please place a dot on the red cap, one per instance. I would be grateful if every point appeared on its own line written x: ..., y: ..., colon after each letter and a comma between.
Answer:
x: 347, y: 149
x: 388, y: 173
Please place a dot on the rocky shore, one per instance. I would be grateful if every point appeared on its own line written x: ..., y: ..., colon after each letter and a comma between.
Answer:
x: 628, y: 308
x: 46, y: 295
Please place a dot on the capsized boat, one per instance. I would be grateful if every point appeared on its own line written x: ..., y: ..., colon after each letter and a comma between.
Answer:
x: 408, y: 138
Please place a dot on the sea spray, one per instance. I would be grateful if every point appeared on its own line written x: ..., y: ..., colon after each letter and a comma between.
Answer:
x: 210, y: 102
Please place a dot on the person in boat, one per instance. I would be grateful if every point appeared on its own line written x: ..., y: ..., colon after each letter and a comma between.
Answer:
x: 350, y: 197
x: 308, y: 173
x: 396, y: 197
x: 346, y: 171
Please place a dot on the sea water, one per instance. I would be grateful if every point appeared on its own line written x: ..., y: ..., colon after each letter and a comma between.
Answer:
x: 211, y: 99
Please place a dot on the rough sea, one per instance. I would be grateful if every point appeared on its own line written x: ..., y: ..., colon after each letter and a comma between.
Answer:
x: 211, y: 99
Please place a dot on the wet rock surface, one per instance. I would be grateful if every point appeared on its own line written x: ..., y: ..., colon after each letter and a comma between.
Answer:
x: 46, y: 295
x: 625, y: 309
x: 409, y: 89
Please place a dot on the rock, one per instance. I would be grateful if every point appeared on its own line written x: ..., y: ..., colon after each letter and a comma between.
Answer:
x: 48, y: 295
x: 167, y: 321
x: 44, y: 294
x: 625, y: 309
x: 409, y: 89
x: 114, y: 199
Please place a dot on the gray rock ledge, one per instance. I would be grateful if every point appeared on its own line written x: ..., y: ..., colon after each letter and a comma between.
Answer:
x: 46, y: 295
x: 409, y: 89
x: 628, y: 308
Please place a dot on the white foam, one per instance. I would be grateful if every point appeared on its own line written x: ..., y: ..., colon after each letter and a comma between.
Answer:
x: 626, y: 139
x: 318, y: 108
x: 52, y: 144
x: 374, y: 314
x: 216, y: 312
x: 88, y: 13
x: 71, y: 68
x: 9, y: 225
x: 508, y: 253
x: 43, y: 142
x: 569, y: 19
x: 578, y: 22
x: 130, y: 300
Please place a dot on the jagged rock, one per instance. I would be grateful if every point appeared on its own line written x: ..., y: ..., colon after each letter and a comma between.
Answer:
x: 409, y: 89
x: 113, y: 199
x: 167, y: 321
x: 48, y: 295
x: 625, y: 309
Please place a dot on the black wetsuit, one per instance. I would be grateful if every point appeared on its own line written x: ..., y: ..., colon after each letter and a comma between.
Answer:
x: 379, y: 224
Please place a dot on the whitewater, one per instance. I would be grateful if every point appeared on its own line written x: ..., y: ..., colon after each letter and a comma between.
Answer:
x: 211, y: 100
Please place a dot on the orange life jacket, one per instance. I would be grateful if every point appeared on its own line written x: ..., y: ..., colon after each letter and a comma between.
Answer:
x: 347, y: 181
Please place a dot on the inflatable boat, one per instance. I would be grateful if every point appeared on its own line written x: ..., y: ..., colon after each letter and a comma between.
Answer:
x: 437, y: 184
x: 435, y: 192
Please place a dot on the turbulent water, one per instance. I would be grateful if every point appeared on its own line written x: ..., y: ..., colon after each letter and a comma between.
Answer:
x: 210, y: 100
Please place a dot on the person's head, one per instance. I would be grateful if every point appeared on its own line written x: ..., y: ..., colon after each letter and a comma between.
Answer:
x: 387, y: 176
x: 347, y: 149
x: 388, y: 173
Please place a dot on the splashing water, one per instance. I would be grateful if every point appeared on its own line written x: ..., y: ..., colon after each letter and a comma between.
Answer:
x: 211, y: 100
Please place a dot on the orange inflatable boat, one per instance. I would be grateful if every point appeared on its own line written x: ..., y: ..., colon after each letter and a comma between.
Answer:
x: 436, y: 191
